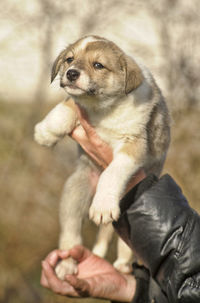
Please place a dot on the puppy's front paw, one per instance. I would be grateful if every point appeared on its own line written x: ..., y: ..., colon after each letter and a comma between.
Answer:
x: 66, y: 267
x: 43, y: 136
x: 104, y: 211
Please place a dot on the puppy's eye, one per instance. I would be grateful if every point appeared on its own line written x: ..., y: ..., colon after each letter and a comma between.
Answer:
x: 98, y: 65
x: 69, y: 59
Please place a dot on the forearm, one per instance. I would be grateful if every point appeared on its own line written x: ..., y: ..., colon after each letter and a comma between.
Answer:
x: 162, y: 230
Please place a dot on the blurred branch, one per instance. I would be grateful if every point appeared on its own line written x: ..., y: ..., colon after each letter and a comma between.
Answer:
x: 181, y: 75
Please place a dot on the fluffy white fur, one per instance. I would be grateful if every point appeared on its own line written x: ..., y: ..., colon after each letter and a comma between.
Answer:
x: 127, y: 110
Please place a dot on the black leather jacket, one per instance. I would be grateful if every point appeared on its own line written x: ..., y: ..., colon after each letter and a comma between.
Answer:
x: 164, y: 233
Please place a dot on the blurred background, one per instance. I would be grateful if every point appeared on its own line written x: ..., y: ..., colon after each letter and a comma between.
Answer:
x: 163, y: 34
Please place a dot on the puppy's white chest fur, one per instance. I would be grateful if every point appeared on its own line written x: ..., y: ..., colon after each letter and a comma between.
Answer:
x: 127, y: 110
x: 122, y: 122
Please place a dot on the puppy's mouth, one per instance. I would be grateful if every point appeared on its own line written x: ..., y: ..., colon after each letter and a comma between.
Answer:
x: 70, y: 85
x: 73, y: 86
x: 73, y: 89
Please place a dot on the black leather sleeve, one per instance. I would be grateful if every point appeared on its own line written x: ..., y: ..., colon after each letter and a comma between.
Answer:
x: 164, y: 232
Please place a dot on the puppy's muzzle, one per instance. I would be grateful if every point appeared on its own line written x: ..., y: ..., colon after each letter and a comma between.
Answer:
x: 72, y: 74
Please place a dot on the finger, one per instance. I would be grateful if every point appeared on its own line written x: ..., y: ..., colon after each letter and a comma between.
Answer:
x: 79, y: 253
x: 103, y: 150
x: 80, y: 136
x: 139, y: 176
x: 81, y: 286
x: 43, y: 280
x: 56, y: 285
x: 53, y: 282
x: 95, y: 157
x: 55, y: 256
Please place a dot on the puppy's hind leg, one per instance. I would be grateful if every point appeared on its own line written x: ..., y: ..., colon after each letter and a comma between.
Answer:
x: 124, y: 253
x: 103, y: 239
x: 124, y: 257
x: 74, y: 206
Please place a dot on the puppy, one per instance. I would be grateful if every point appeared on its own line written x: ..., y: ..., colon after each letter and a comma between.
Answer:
x: 128, y: 111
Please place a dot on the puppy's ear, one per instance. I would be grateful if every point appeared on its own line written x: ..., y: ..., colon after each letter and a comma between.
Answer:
x: 57, y: 64
x: 134, y: 75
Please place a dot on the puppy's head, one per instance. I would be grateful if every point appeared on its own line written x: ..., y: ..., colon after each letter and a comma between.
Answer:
x: 94, y: 66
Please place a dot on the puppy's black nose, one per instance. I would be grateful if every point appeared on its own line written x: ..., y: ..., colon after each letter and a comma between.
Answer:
x: 72, y: 74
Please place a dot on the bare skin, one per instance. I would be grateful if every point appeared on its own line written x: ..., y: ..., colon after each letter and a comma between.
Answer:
x: 86, y: 136
x: 96, y: 277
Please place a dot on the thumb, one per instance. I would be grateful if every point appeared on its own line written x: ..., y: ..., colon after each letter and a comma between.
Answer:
x: 79, y: 253
x: 81, y: 286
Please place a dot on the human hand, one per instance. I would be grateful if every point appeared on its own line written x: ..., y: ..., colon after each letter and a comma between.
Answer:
x: 96, y: 148
x: 96, y: 277
x: 86, y: 136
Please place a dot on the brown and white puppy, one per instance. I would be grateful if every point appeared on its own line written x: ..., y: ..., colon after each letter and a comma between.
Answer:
x: 127, y: 110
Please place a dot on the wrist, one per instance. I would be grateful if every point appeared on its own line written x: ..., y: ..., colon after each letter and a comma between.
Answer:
x: 127, y: 289
x: 131, y: 287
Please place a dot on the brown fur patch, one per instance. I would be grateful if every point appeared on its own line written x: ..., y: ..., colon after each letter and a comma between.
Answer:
x: 57, y: 64
x: 134, y: 75
x: 158, y: 129
x: 70, y: 103
x: 136, y: 149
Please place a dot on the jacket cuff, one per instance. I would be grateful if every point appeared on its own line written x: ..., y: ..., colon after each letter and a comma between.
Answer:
x: 142, y: 277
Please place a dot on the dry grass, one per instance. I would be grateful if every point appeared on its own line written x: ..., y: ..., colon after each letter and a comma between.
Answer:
x: 31, y: 180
